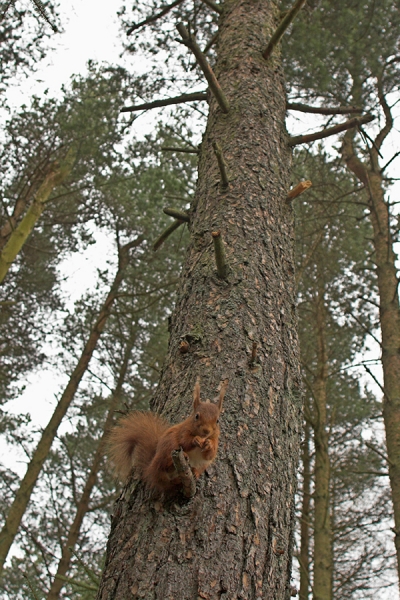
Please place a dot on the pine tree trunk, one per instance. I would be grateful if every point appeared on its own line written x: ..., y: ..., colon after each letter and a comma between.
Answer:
x: 323, y: 558
x: 304, y: 558
x: 234, y: 538
x: 22, y: 231
x: 24, y: 492
x: 83, y: 504
x: 389, y: 314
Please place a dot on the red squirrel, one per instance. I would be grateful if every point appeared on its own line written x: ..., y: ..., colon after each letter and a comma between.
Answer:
x: 144, y: 441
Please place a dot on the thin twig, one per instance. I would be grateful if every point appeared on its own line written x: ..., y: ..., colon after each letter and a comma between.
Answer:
x: 191, y: 43
x: 175, y: 149
x: 196, y: 96
x: 319, y: 135
x: 380, y: 453
x: 283, y: 25
x: 155, y: 17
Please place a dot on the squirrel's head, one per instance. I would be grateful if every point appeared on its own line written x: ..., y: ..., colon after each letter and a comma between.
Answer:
x: 205, y: 416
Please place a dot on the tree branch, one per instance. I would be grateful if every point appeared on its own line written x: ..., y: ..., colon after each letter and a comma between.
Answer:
x: 220, y: 258
x: 191, y: 43
x: 177, y: 214
x: 319, y: 135
x: 321, y: 110
x: 298, y: 189
x: 182, y: 466
x: 221, y: 165
x: 173, y: 149
x: 196, y: 96
x: 166, y: 233
x: 283, y: 25
x: 213, y: 5
x: 155, y: 17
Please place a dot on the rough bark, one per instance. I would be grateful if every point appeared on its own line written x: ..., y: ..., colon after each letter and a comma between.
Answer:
x: 83, y: 504
x: 21, y: 232
x: 23, y: 494
x: 304, y: 556
x: 234, y: 538
x: 323, y: 557
x: 389, y: 311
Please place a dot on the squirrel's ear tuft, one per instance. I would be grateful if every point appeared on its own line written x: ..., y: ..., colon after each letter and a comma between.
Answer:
x: 196, y: 394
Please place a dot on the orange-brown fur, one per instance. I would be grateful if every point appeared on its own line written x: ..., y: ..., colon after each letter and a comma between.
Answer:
x: 144, y: 441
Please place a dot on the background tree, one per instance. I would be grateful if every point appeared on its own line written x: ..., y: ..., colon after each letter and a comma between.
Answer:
x: 335, y: 320
x: 362, y: 46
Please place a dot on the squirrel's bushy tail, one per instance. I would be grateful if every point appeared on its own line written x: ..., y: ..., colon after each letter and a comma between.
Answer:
x: 133, y: 442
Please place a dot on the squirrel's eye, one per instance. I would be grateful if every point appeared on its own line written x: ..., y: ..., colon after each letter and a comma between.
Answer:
x: 196, y: 416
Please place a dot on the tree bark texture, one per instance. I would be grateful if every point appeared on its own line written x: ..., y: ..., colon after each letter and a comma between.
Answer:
x: 24, y: 492
x: 323, y: 557
x: 234, y: 538
x: 389, y: 312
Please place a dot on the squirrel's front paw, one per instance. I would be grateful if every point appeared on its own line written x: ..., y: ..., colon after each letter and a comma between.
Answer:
x: 197, y: 441
x: 206, y: 446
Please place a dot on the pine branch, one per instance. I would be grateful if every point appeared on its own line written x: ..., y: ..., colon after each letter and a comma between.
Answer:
x: 321, y: 110
x: 196, y: 96
x: 166, y: 233
x: 155, y: 17
x: 213, y: 5
x: 182, y: 466
x: 283, y: 25
x: 173, y: 149
x: 221, y: 165
x: 39, y: 7
x: 220, y: 259
x: 191, y: 43
x: 298, y: 189
x: 177, y: 214
x: 319, y: 135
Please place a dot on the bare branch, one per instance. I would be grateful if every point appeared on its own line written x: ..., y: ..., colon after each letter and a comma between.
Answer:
x: 319, y: 135
x: 155, y: 17
x: 191, y: 43
x: 283, y: 25
x: 322, y: 110
x: 182, y: 466
x: 173, y: 149
x: 221, y: 165
x: 177, y: 214
x: 213, y: 5
x: 298, y: 189
x: 220, y: 259
x: 196, y: 96
x: 166, y: 233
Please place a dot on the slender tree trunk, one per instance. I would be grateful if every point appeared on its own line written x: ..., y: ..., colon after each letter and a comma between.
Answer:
x: 22, y: 231
x: 40, y: 454
x: 389, y: 312
x: 304, y: 557
x: 323, y: 558
x: 83, y: 505
x: 234, y: 538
